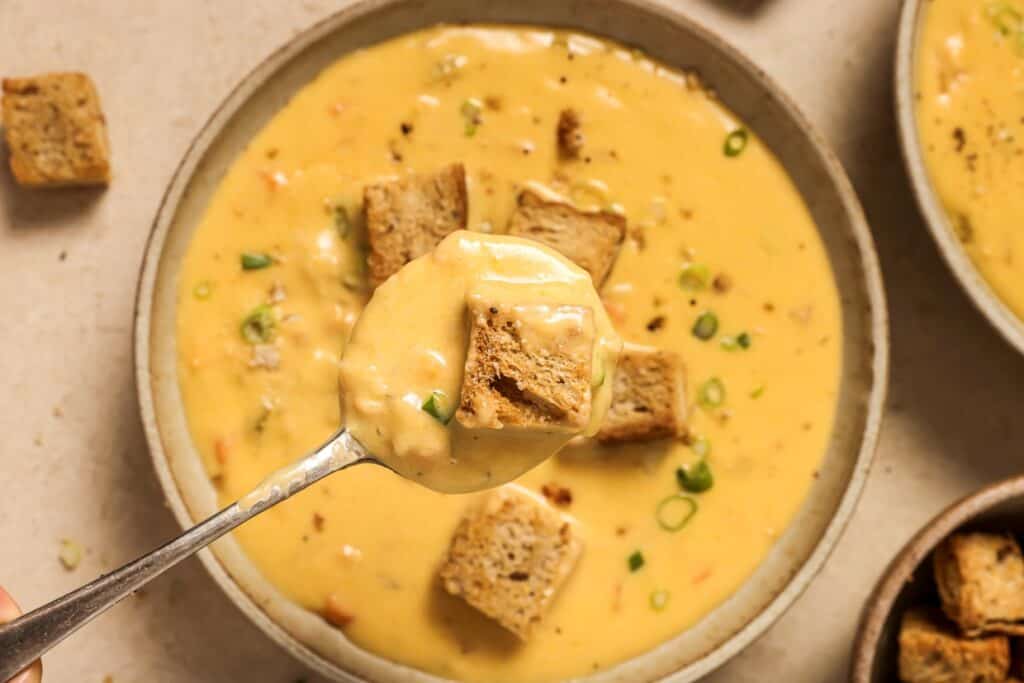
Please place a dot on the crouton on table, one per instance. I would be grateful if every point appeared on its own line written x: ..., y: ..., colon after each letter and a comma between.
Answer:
x: 408, y: 217
x: 509, y: 556
x: 527, y: 366
x: 931, y: 651
x: 55, y: 131
x: 590, y: 239
x: 981, y: 582
x: 648, y: 397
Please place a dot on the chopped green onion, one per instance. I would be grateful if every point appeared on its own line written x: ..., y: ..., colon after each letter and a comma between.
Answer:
x: 757, y: 392
x: 203, y: 290
x: 599, y: 377
x: 705, y: 326
x: 1005, y: 17
x: 659, y: 599
x: 711, y: 393
x: 694, y: 276
x: 471, y: 113
x: 438, y: 408
x: 674, y: 512
x: 701, y: 447
x: 732, y: 343
x: 252, y: 260
x: 342, y: 223
x: 635, y: 561
x: 258, y: 326
x: 695, y: 478
x: 735, y: 142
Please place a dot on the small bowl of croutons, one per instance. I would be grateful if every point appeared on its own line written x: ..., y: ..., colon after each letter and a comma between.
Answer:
x: 950, y: 606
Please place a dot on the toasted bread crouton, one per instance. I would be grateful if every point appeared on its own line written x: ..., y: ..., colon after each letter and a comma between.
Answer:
x: 648, y: 397
x: 527, y: 366
x: 590, y: 239
x: 408, y: 217
x: 981, y: 582
x: 56, y: 131
x: 931, y: 650
x: 509, y: 556
x: 568, y: 135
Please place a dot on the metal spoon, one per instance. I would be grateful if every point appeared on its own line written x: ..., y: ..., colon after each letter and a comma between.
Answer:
x: 27, y: 638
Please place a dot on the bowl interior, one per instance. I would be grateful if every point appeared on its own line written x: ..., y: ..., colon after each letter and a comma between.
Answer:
x: 1009, y: 325
x: 665, y: 35
x: 909, y: 581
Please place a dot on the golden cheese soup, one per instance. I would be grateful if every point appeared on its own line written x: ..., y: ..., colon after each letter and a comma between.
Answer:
x: 970, y: 116
x: 707, y: 263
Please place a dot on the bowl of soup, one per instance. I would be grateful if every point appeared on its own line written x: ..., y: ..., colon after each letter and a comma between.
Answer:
x: 738, y: 251
x: 959, y: 74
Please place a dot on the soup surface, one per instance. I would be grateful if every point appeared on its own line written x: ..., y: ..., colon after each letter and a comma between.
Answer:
x: 970, y: 115
x: 718, y: 234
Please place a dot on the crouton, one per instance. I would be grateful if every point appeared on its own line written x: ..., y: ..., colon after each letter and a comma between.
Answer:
x: 568, y: 135
x: 931, y: 650
x: 590, y: 239
x: 509, y: 556
x: 55, y: 131
x: 408, y: 217
x: 527, y: 366
x: 648, y: 397
x: 981, y: 582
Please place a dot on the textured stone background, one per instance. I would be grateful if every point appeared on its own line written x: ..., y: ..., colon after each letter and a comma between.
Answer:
x: 73, y: 462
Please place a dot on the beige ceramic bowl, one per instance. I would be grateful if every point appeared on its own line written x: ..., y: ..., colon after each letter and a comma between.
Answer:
x: 988, y: 302
x: 908, y: 581
x: 668, y: 36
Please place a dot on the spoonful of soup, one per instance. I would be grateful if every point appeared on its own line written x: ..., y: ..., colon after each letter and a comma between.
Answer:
x: 468, y: 367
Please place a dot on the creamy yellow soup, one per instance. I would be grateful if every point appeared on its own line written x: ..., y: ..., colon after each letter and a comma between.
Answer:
x: 716, y: 227
x: 403, y: 366
x: 970, y: 115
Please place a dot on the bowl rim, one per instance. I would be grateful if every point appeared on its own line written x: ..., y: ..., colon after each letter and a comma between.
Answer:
x: 1009, y: 325
x: 880, y: 602
x: 858, y: 232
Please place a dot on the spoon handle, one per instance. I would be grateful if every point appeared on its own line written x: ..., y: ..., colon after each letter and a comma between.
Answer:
x: 27, y: 638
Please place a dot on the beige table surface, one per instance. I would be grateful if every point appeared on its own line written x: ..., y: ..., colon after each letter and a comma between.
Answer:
x: 72, y: 459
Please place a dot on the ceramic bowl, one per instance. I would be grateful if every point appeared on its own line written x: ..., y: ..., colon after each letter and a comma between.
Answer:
x: 984, y: 297
x: 908, y: 581
x: 668, y: 36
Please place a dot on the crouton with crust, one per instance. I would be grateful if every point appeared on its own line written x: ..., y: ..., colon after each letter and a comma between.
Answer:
x: 408, y: 217
x: 981, y: 582
x: 509, y: 556
x: 590, y: 239
x: 932, y: 651
x: 55, y: 131
x: 527, y: 366
x: 648, y: 397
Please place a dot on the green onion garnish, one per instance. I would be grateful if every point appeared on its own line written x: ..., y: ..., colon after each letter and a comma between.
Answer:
x: 735, y: 142
x: 252, y: 260
x: 659, y: 599
x: 203, y: 290
x: 437, y: 407
x: 711, y: 393
x: 342, y: 223
x: 732, y: 343
x: 635, y: 561
x: 1005, y: 17
x: 705, y: 326
x: 757, y: 392
x: 695, y: 478
x: 694, y: 276
x: 599, y: 377
x: 674, y: 512
x: 258, y: 326
x: 701, y: 447
x: 471, y: 113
